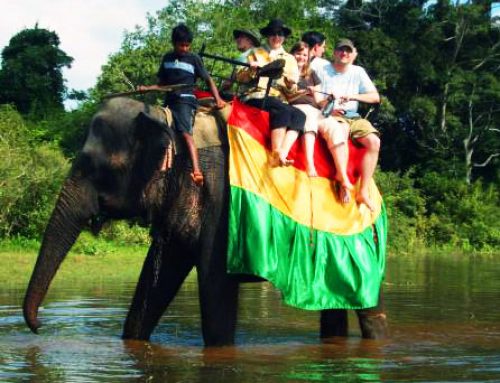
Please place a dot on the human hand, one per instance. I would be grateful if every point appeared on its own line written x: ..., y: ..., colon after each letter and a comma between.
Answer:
x: 310, y: 90
x: 219, y: 103
x: 289, y: 83
x: 344, y: 99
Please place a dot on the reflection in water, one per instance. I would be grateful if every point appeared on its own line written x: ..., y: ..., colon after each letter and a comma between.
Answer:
x: 444, y: 324
x: 341, y: 361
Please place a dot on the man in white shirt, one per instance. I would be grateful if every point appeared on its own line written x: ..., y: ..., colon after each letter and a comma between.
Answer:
x: 349, y: 85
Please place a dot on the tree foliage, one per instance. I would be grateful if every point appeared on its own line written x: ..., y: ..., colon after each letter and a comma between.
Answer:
x: 435, y: 63
x: 30, y: 76
x: 30, y: 177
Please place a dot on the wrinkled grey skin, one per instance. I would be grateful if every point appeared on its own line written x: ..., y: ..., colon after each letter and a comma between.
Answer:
x: 114, y: 177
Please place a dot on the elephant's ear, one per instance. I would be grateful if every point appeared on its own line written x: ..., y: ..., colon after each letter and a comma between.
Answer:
x: 153, y: 137
x: 147, y: 126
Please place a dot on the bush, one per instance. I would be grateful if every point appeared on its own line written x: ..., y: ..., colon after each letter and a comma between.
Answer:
x: 67, y: 129
x: 405, y: 211
x: 436, y: 212
x: 30, y: 177
x: 461, y: 215
x: 114, y: 236
x: 125, y: 233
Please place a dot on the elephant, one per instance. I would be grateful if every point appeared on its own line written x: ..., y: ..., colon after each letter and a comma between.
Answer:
x: 115, y: 176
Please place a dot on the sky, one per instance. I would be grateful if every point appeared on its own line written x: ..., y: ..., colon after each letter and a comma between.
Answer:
x: 89, y: 30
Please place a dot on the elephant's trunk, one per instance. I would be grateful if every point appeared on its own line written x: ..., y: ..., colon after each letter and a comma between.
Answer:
x: 76, y: 204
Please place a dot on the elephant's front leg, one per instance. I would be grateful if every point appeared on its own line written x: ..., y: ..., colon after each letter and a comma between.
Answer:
x: 219, y: 305
x: 164, y: 270
x: 218, y: 291
x: 373, y: 321
x: 333, y: 322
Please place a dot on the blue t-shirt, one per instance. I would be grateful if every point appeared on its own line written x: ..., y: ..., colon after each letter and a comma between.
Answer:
x: 181, y: 69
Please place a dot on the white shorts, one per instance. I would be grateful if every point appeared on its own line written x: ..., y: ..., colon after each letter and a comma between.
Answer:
x: 313, y: 116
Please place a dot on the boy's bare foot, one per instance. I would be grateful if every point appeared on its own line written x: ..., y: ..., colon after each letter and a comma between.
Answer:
x: 197, y: 178
x: 364, y: 197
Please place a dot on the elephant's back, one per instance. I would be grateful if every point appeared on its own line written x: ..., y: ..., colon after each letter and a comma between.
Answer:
x: 119, y: 113
x: 121, y: 107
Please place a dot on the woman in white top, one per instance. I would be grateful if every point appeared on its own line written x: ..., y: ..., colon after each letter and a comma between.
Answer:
x: 307, y: 99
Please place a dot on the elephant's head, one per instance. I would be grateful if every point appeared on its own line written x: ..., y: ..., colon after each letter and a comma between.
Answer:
x: 122, y: 151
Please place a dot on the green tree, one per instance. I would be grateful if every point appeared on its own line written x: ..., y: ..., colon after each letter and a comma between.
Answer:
x: 213, y: 24
x: 30, y: 177
x: 31, y: 74
x: 438, y: 64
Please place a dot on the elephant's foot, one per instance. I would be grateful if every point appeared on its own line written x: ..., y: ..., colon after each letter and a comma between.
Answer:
x: 135, y: 332
x: 373, y: 325
x: 333, y: 323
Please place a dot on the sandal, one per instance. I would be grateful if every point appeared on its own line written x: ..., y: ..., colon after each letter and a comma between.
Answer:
x: 197, y: 178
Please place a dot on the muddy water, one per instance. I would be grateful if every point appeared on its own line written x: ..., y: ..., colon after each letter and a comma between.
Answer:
x: 444, y: 317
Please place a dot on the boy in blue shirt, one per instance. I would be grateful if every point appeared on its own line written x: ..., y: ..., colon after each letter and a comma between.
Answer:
x: 180, y: 66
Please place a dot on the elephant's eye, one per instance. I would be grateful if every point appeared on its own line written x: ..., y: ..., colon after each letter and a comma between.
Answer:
x: 118, y: 160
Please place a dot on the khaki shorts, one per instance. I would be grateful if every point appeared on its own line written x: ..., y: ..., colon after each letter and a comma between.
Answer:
x: 359, y: 127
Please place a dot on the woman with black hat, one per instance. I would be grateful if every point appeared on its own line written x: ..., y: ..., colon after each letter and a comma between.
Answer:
x: 286, y: 122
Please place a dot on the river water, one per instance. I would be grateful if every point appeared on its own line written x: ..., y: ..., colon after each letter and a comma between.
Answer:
x: 443, y: 311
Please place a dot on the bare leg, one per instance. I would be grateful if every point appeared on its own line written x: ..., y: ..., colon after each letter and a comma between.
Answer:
x: 196, y: 175
x: 290, y: 137
x: 309, y: 141
x: 336, y: 135
x: 368, y: 165
x: 277, y: 137
x: 340, y: 154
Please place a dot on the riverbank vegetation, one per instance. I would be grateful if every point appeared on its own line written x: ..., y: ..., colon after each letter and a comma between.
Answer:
x: 436, y: 64
x: 112, y: 261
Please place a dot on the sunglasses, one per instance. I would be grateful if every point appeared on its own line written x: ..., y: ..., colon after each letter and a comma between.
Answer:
x: 276, y: 33
x: 344, y: 49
